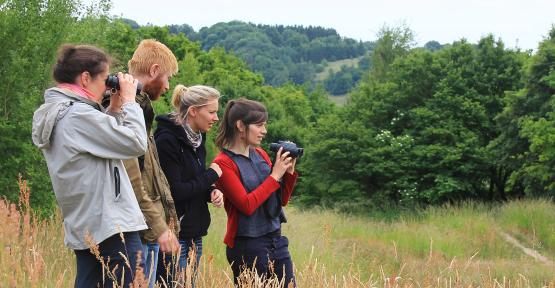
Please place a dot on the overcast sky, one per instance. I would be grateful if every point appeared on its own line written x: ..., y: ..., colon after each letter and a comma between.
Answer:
x: 520, y: 24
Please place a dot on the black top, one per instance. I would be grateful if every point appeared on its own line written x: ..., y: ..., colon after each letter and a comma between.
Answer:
x: 190, y: 181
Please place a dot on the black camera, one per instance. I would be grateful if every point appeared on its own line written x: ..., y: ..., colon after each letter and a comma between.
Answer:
x: 113, y: 82
x: 288, y: 146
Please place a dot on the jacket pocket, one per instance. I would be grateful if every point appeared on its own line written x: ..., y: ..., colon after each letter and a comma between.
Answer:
x: 117, y: 182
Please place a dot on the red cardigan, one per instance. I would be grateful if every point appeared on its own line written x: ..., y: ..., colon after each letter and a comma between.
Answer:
x: 236, y: 198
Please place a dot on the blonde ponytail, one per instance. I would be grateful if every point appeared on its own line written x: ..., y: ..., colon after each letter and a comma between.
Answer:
x: 178, y: 91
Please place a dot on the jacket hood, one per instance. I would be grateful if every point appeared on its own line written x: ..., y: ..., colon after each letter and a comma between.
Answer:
x: 56, y: 104
x: 167, y: 125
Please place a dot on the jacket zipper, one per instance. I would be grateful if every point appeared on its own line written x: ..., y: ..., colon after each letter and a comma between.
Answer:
x: 117, y: 181
x: 196, y: 155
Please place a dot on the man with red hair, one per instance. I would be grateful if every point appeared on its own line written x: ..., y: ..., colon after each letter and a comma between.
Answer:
x: 153, y: 64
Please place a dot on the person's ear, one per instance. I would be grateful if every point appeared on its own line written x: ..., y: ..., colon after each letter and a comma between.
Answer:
x: 154, y: 70
x: 240, y: 126
x: 193, y: 111
x: 85, y: 78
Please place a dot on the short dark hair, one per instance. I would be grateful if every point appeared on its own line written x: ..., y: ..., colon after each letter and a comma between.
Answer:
x: 76, y: 59
x: 248, y: 111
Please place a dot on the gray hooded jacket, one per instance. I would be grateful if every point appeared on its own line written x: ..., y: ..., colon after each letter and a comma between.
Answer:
x: 83, y: 147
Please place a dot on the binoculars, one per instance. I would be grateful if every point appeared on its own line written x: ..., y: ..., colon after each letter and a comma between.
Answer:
x: 113, y: 82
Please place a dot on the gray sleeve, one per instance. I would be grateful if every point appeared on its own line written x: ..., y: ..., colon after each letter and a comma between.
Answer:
x: 121, y: 136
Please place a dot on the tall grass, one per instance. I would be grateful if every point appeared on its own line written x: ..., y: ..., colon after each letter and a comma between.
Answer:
x: 450, y: 246
x: 32, y: 253
x: 532, y: 222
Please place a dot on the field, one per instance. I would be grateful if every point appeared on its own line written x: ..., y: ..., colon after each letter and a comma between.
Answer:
x: 339, y: 100
x: 450, y: 246
x: 335, y: 66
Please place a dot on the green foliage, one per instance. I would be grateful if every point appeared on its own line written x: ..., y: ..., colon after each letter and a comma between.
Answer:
x: 433, y: 46
x: 186, y: 29
x: 418, y: 128
x: 525, y: 143
x: 31, y: 32
x: 281, y: 53
x: 393, y: 42
x: 343, y: 81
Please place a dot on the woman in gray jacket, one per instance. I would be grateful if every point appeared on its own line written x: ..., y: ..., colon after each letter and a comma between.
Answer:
x: 83, y: 145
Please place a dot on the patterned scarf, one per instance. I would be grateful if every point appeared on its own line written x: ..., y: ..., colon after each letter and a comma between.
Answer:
x: 195, y: 138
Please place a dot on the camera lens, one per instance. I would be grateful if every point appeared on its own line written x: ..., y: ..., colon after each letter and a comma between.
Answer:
x: 300, y: 152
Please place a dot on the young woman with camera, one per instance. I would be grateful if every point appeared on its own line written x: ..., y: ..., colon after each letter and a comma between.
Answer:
x: 254, y: 192
x: 84, y: 146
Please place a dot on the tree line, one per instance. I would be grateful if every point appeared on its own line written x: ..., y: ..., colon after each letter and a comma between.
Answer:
x: 280, y: 53
x: 288, y: 53
x: 422, y: 126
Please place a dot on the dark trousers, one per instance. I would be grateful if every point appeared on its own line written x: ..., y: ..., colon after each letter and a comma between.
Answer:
x: 268, y: 254
x: 90, y: 270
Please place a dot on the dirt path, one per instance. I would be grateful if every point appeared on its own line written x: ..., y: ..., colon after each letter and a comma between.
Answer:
x: 528, y: 251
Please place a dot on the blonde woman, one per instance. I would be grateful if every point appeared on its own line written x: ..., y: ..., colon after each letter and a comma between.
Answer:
x: 180, y: 139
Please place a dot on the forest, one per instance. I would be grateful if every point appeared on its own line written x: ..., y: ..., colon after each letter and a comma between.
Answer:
x: 423, y: 125
x: 280, y: 53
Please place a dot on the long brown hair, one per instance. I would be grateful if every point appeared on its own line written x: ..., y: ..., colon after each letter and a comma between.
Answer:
x: 248, y: 111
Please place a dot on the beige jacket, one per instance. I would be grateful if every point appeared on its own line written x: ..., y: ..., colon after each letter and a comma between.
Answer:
x: 150, y: 185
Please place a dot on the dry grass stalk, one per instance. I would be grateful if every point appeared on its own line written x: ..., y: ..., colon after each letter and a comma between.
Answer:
x: 32, y: 255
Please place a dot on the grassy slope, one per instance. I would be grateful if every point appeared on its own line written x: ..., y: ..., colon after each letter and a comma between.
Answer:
x: 335, y: 66
x: 339, y: 100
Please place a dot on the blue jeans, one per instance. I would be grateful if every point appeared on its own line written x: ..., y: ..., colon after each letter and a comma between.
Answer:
x: 90, y: 270
x: 186, y: 246
x: 259, y: 252
x: 167, y: 268
x: 150, y: 254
